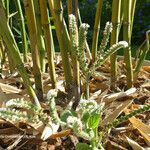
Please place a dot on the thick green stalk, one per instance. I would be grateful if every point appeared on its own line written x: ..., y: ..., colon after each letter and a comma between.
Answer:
x: 56, y: 10
x: 23, y: 30
x: 116, y: 8
x: 48, y: 40
x: 41, y: 46
x: 73, y: 9
x: 10, y: 42
x: 127, y: 38
x: 7, y: 8
x: 96, y: 29
x: 32, y: 28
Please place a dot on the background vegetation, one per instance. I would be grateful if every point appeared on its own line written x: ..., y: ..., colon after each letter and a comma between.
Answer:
x: 87, y: 11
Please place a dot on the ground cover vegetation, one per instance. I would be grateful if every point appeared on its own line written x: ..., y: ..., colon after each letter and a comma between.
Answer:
x: 84, y: 96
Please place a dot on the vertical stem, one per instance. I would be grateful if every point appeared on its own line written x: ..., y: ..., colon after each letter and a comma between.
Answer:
x: 116, y: 8
x: 48, y: 41
x: 133, y: 4
x: 2, y: 54
x: 96, y: 29
x: 23, y: 30
x: 31, y: 22
x: 57, y: 13
x: 7, y: 8
x: 40, y: 40
x: 127, y: 38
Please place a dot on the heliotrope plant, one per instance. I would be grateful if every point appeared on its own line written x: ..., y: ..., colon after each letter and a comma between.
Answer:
x: 102, y: 54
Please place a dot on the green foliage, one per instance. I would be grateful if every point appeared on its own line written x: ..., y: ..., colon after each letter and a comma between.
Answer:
x: 141, y: 21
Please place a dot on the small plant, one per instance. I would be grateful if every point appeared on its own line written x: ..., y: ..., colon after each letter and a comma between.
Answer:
x: 102, y: 54
x: 22, y: 110
x: 84, y: 121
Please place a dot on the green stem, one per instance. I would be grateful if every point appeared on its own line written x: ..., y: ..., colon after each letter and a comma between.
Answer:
x: 127, y: 38
x: 7, y: 9
x: 57, y: 13
x: 96, y: 29
x: 132, y: 12
x: 23, y: 30
x: 48, y: 41
x: 40, y: 40
x: 116, y: 8
x: 32, y: 28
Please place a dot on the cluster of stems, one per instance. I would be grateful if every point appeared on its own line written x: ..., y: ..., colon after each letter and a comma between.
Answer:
x: 102, y: 55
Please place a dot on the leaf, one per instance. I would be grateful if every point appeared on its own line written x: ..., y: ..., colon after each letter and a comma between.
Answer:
x: 134, y: 145
x: 94, y: 120
x: 65, y: 115
x: 115, y: 96
x: 53, y: 27
x: 95, y: 94
x: 9, y: 89
x: 142, y: 128
x: 86, y: 117
x: 17, y: 31
x: 83, y: 146
x: 119, y: 109
x: 146, y: 68
x: 63, y: 133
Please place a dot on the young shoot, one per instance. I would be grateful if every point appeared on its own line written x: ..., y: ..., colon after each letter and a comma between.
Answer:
x: 102, y: 54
